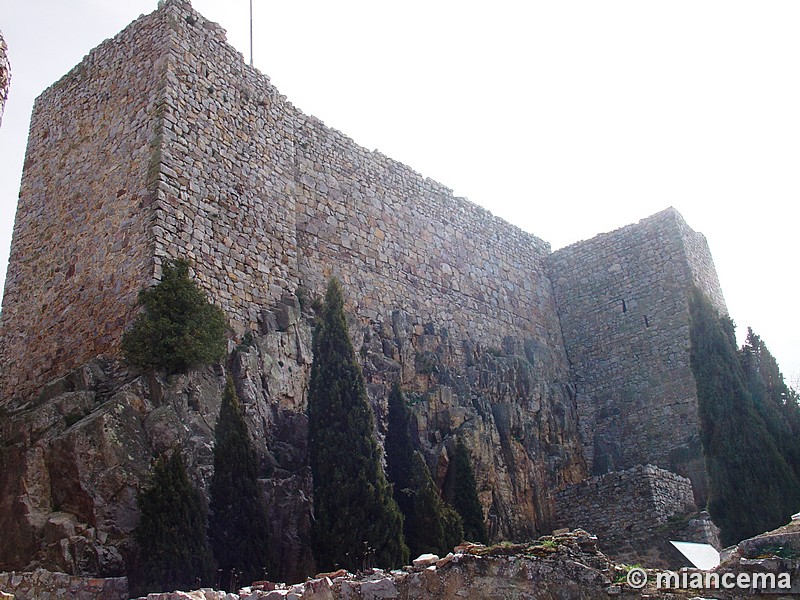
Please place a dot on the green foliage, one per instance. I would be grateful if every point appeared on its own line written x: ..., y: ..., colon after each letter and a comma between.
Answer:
x: 430, y: 525
x: 433, y: 526
x: 171, y: 532
x: 238, y: 526
x: 178, y: 329
x: 465, y: 495
x: 776, y: 402
x: 752, y: 488
x: 357, y: 522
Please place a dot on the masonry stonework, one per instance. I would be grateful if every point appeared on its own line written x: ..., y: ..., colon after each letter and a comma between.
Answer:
x: 194, y: 154
x: 164, y: 144
x: 81, y: 247
x: 635, y: 513
x: 622, y: 300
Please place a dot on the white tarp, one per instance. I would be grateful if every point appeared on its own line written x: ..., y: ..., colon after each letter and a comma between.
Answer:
x: 702, y: 556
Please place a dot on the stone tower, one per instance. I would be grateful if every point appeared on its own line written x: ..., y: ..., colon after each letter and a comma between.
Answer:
x: 622, y: 304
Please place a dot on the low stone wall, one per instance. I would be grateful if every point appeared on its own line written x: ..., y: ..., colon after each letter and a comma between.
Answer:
x: 633, y: 512
x: 46, y: 584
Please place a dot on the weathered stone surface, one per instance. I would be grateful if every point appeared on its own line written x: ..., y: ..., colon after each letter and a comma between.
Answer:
x: 636, y: 513
x: 77, y: 459
x: 425, y: 560
x: 162, y: 143
x: 622, y: 299
x: 40, y: 584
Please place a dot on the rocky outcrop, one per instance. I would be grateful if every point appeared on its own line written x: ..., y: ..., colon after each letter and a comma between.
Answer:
x: 74, y: 459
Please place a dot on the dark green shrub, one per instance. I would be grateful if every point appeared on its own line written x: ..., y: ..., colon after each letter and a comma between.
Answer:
x: 238, y: 526
x: 178, y: 329
x: 171, y: 532
x: 356, y: 521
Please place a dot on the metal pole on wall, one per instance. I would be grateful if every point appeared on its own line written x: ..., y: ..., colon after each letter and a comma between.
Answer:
x: 251, y: 33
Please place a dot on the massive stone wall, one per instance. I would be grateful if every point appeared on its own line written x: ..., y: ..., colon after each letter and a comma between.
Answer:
x: 81, y: 247
x: 164, y: 144
x: 225, y: 196
x: 623, y: 303
x: 405, y: 241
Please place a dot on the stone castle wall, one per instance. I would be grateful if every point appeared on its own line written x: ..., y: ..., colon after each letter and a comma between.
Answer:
x: 194, y: 154
x: 622, y: 299
x: 226, y: 190
x: 405, y: 241
x: 81, y: 245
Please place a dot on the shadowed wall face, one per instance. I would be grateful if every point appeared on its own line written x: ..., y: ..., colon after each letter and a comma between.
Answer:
x: 622, y: 299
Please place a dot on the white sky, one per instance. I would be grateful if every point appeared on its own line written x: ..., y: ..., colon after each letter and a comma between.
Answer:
x: 566, y: 117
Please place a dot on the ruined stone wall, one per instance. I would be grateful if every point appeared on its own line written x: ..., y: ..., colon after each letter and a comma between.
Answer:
x: 626, y: 507
x: 81, y: 246
x: 39, y: 584
x: 620, y: 503
x: 623, y: 302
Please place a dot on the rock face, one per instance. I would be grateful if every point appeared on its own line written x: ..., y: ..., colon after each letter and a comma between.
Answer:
x: 75, y: 458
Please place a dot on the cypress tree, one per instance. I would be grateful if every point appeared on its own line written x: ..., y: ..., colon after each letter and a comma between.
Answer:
x: 238, y: 526
x: 751, y: 486
x: 465, y: 495
x: 399, y: 451
x: 433, y: 525
x: 775, y: 401
x: 178, y: 329
x: 430, y: 525
x: 357, y: 521
x: 171, y: 532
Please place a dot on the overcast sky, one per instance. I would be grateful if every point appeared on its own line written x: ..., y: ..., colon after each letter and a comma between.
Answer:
x: 567, y: 118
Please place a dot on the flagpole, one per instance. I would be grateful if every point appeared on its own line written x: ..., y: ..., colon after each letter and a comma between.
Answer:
x: 251, y: 33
